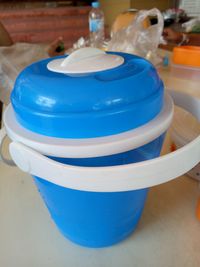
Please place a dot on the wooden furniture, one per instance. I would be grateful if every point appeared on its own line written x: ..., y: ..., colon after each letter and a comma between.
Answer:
x: 43, y: 25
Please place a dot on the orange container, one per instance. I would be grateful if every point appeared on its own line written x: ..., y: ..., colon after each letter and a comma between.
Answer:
x: 185, y: 63
x: 198, y: 210
x: 187, y: 55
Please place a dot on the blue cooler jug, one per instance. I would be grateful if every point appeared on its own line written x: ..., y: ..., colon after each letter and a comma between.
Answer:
x: 87, y: 127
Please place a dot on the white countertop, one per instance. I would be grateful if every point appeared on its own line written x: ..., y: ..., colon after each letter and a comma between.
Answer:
x: 168, y: 234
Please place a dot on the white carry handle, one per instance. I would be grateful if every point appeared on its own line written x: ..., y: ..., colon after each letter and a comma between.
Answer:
x: 115, y: 178
x: 3, y: 135
x: 187, y: 102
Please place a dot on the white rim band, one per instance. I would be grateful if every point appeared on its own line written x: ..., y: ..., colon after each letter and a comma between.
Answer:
x: 93, y: 147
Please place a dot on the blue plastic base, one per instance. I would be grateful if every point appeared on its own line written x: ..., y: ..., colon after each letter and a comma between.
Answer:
x: 98, y: 219
x: 93, y: 219
x: 106, y: 242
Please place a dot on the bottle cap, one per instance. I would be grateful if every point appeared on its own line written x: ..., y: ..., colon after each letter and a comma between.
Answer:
x: 95, y: 4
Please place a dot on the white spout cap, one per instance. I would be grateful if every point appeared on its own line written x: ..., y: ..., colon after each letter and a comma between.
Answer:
x: 85, y: 61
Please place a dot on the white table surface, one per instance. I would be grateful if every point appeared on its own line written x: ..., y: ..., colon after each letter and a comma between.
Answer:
x: 168, y: 234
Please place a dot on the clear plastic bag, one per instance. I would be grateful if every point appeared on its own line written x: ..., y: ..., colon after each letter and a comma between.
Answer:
x: 13, y: 59
x: 138, y: 40
x: 192, y: 26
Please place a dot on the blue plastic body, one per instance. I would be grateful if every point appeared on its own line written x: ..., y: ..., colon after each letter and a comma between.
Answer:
x: 98, y: 219
x: 100, y: 104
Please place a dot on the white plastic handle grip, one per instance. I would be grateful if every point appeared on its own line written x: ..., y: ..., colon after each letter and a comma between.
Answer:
x: 115, y: 178
x: 108, y: 179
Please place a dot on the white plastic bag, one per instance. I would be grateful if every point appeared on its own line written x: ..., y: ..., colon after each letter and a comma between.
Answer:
x: 138, y: 40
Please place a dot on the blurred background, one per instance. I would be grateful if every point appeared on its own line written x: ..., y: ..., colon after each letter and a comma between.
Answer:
x: 36, y: 21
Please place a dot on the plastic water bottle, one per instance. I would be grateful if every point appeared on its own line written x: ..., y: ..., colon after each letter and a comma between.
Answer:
x: 96, y: 25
